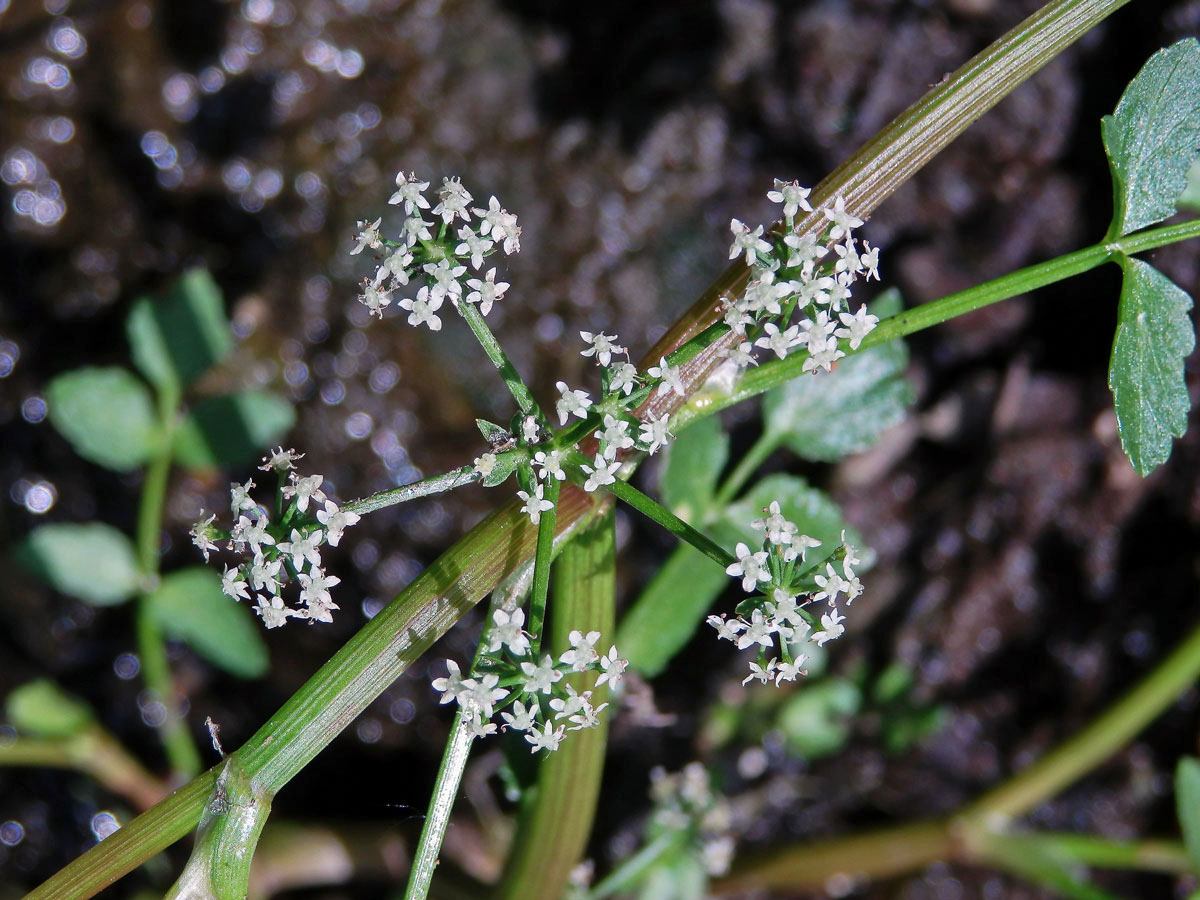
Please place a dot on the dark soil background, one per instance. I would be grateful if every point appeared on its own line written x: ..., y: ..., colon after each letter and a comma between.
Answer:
x: 1025, y: 573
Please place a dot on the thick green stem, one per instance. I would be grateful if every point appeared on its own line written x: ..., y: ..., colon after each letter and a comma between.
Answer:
x: 445, y: 790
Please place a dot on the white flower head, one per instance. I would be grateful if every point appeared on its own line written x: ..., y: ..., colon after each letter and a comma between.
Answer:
x: 547, y: 739
x: 486, y: 291
x: 233, y: 584
x: 534, y: 505
x: 857, y: 326
x: 202, y: 534
x: 336, y: 521
x: 603, y: 473
x: 793, y: 197
x: 750, y: 567
x: 583, y: 650
x: 304, y: 489
x: 453, y: 685
x: 368, y: 236
x: 549, y: 465
x: 280, y: 460
x: 520, y: 719
x: 843, y: 222
x: 422, y: 310
x: 408, y: 192
x: 622, y: 378
x: 655, y: 433
x: 272, y: 611
x: 374, y: 299
x: 727, y: 629
x: 614, y: 436
x: 672, y: 380
x: 612, y: 666
x: 832, y: 626
x: 571, y: 402
x: 507, y: 631
x: 473, y: 245
x: 453, y: 200
x: 761, y: 674
x: 540, y: 677
x: 747, y: 242
x: 602, y: 346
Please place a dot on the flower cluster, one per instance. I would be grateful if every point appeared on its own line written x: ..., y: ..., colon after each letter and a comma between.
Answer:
x: 541, y: 704
x: 287, y: 550
x: 435, y: 253
x: 799, y: 274
x: 685, y: 801
x: 784, y: 583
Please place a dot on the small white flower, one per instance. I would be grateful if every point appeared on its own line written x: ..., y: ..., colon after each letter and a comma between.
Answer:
x: 603, y: 473
x: 368, y: 236
x: 831, y: 584
x: 506, y: 631
x: 843, y: 222
x: 395, y: 265
x: 454, y: 200
x: 501, y: 225
x: 779, y: 530
x: 473, y: 245
x: 531, y: 431
x: 264, y: 575
x: 805, y: 251
x: 272, y: 611
x: 759, y: 630
x: 482, y: 695
x: 613, y: 667
x: 622, y: 378
x: 857, y: 326
x: 408, y: 192
x: 655, y: 434
x: 565, y: 707
x: 790, y: 671
x: 761, y: 673
x: 746, y: 241
x: 831, y: 622
x: 588, y: 715
x: 534, y: 505
x: 280, y: 460
x: 520, y: 719
x: 479, y: 728
x: 315, y: 595
x: 571, y: 402
x: 778, y: 342
x: 547, y: 739
x: 741, y: 355
x: 444, y: 277
x: 803, y: 543
x: 727, y: 629
x: 239, y: 497
x: 602, y: 347
x: 549, y: 465
x: 202, y: 534
x: 870, y: 261
x: 415, y: 229
x: 540, y: 677
x: 422, y: 310
x: 671, y: 378
x: 453, y: 684
x: 336, y: 521
x: 303, y: 489
x: 792, y: 196
x: 486, y: 291
x: 374, y: 299
x: 233, y: 584
x: 583, y: 650
x: 750, y: 567
x: 485, y: 464
x: 822, y: 357
x: 302, y: 547
x: 614, y: 436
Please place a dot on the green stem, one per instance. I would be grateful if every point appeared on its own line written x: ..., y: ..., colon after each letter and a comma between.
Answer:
x: 1090, y: 747
x: 776, y: 372
x: 499, y: 358
x: 1103, y: 853
x: 423, y: 488
x: 656, y: 512
x: 766, y: 444
x: 445, y: 789
x: 624, y: 876
x: 541, y: 569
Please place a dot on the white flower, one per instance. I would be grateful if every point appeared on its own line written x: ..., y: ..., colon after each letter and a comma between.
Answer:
x: 567, y: 706
x: 831, y: 584
x: 613, y: 667
x: 233, y: 585
x: 203, y: 533
x: 315, y: 595
x: 622, y: 378
x: 843, y: 222
x: 530, y: 429
x: 741, y: 355
x: 264, y: 574
x: 831, y: 622
x: 750, y: 567
x: 805, y: 252
x: 368, y: 236
x: 396, y: 265
x: 408, y: 192
x: 482, y: 695
x: 791, y: 195
x: 479, y: 728
x: 548, y: 739
x: 671, y: 379
x: 423, y: 308
x: 304, y: 488
x: 779, y: 530
x: 583, y: 650
x: 534, y: 505
x: 506, y: 630
x: 474, y: 245
x: 453, y: 684
x: 727, y: 629
x: 778, y: 342
x: 520, y: 719
x: 239, y: 497
x: 803, y: 543
x: 736, y: 318
x: 848, y: 260
x: 858, y: 326
x: 604, y: 473
x: 272, y: 611
x: 374, y: 299
x: 823, y: 357
x: 280, y: 460
x: 602, y: 346
x: 870, y: 261
x: 336, y: 521
x: 540, y: 677
x: 746, y: 241
x: 588, y: 715
x: 571, y: 402
x: 415, y: 229
x: 550, y: 465
x: 486, y: 291
x: 501, y: 225
x: 758, y: 631
x: 790, y: 671
x: 445, y: 279
x: 761, y: 673
x: 454, y: 200
x: 484, y: 464
x: 252, y: 533
x: 614, y: 437
x: 655, y: 434
x: 302, y: 547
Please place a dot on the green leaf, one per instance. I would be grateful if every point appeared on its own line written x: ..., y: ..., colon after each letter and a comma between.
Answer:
x: 816, y: 721
x: 43, y: 709
x: 505, y: 463
x: 176, y: 338
x: 1190, y: 198
x: 107, y: 415
x: 93, y: 562
x: 495, y: 435
x: 670, y: 609
x: 190, y: 607
x: 694, y: 462
x: 1145, y: 373
x: 828, y: 415
x: 1187, y: 805
x: 1153, y: 137
x: 222, y: 432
